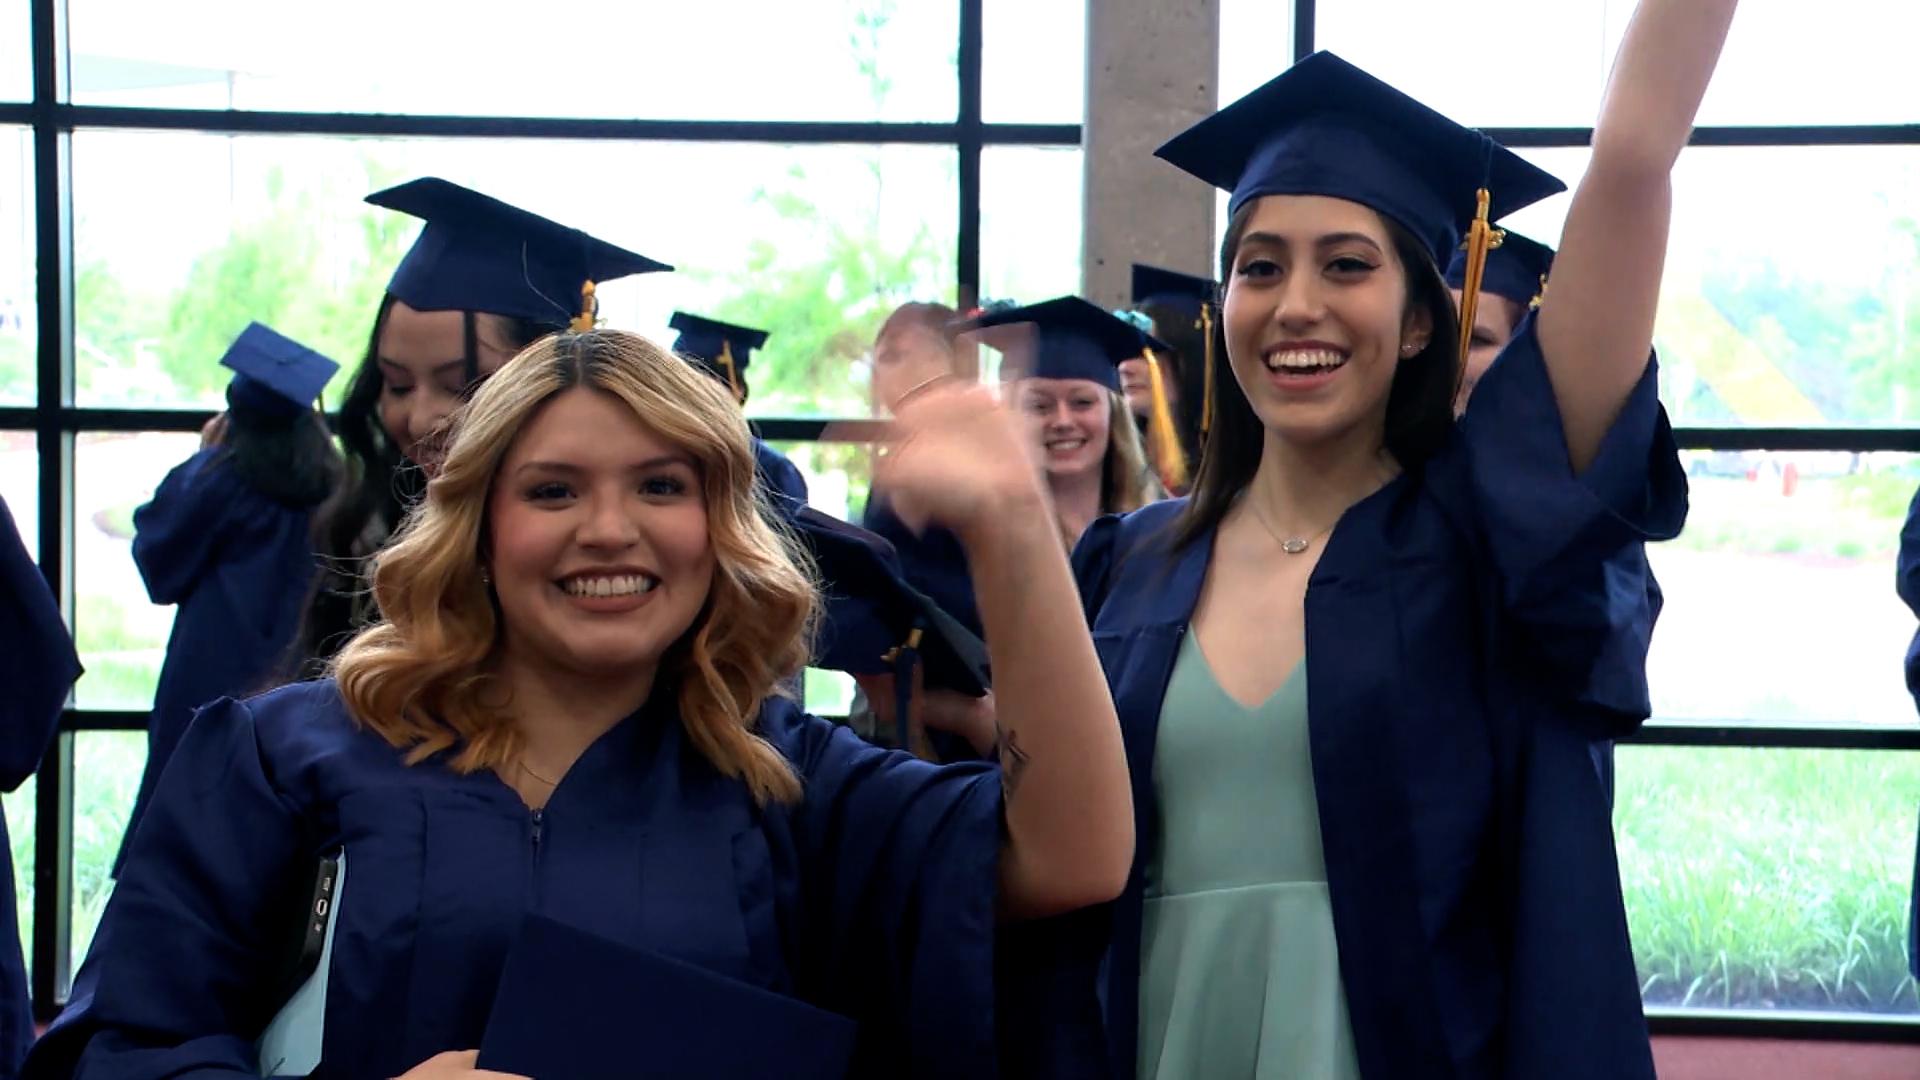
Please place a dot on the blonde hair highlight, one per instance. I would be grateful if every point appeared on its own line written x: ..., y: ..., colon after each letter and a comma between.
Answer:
x: 423, y: 676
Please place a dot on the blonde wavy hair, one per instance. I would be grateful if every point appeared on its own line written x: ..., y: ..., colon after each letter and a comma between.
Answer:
x: 423, y: 676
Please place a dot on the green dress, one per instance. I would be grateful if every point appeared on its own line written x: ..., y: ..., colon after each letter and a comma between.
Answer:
x: 1240, y: 975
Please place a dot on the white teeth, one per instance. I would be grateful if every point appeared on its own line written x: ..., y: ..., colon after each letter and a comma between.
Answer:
x: 1066, y: 444
x: 619, y: 585
x: 1304, y: 359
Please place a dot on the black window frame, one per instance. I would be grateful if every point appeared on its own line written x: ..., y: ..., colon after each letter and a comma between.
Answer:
x: 57, y: 422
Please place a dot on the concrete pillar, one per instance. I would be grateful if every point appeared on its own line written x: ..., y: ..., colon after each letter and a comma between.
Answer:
x: 1151, y: 72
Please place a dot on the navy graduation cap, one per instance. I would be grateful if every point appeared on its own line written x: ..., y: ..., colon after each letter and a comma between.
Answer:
x: 1516, y: 269
x: 1325, y: 127
x: 875, y: 623
x: 274, y: 375
x: 722, y: 348
x: 477, y: 253
x: 1183, y: 292
x: 1076, y: 339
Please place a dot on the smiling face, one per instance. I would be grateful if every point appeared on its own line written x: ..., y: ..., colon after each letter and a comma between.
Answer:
x: 422, y: 357
x: 600, y: 556
x: 1316, y: 316
x: 1068, y: 422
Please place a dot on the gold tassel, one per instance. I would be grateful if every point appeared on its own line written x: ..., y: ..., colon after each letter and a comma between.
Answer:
x: 1165, y: 440
x: 1206, y: 373
x: 725, y: 360
x: 1481, y: 238
x: 1539, y: 297
x: 589, y: 307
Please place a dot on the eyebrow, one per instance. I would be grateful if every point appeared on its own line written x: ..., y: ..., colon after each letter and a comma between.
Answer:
x: 1327, y: 241
x: 568, y: 469
x: 445, y: 365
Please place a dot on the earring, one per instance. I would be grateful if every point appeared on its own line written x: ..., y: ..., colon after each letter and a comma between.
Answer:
x: 1409, y: 349
x: 486, y: 576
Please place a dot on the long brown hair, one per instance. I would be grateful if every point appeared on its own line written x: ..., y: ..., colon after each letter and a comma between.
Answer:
x: 423, y: 676
x: 1419, y: 404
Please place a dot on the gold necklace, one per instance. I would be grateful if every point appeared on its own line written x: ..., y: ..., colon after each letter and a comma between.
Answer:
x: 528, y: 769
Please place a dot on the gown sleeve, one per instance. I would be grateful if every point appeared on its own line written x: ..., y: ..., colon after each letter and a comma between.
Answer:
x: 180, y: 979
x: 178, y: 533
x: 1567, y: 551
x: 37, y: 660
x: 900, y: 862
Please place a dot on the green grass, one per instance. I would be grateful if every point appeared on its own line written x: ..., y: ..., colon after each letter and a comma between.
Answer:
x: 1759, y: 879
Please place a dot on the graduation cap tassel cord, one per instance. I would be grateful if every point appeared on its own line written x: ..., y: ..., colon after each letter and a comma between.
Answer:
x: 1206, y: 373
x: 589, y: 307
x: 725, y: 360
x: 1481, y: 238
x: 1167, y: 451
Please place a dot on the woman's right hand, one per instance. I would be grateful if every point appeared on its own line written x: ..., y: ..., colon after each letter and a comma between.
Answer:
x: 456, y: 1065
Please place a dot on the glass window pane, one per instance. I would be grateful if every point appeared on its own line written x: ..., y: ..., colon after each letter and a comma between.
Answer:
x: 1769, y: 879
x: 1030, y: 222
x: 20, y: 485
x: 805, y: 60
x: 122, y: 637
x: 1780, y: 603
x: 19, y: 808
x: 1553, y: 59
x: 106, y: 776
x: 1033, y: 62
x: 1791, y: 327
x: 16, y: 52
x: 815, y: 243
x: 19, y: 320
x: 1256, y: 43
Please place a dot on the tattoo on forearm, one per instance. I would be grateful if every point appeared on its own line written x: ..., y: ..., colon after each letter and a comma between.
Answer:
x: 1013, y: 762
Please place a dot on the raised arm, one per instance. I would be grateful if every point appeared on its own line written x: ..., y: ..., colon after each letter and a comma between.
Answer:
x: 1596, y: 323
x: 1069, y: 810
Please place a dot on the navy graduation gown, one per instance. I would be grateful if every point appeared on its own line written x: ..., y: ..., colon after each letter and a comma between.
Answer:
x: 37, y: 666
x: 932, y: 559
x: 779, y: 473
x: 873, y: 897
x: 1471, y: 629
x: 1907, y: 582
x: 238, y: 564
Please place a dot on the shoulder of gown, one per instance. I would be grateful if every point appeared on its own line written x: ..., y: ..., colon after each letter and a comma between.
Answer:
x: 176, y: 980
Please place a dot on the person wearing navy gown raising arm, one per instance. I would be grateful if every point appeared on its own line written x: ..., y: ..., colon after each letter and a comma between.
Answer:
x: 567, y: 711
x: 1359, y: 670
x: 228, y: 538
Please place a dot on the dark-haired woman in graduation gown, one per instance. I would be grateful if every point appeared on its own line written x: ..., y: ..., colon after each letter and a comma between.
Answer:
x: 569, y: 711
x: 228, y: 538
x: 37, y: 667
x: 1358, y: 672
